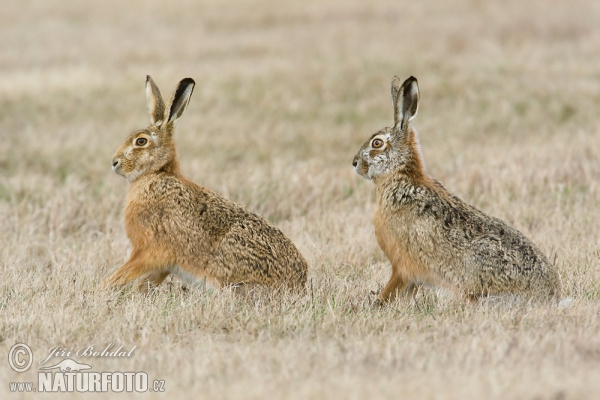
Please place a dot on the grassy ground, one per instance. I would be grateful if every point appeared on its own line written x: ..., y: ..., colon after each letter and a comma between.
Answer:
x: 286, y: 93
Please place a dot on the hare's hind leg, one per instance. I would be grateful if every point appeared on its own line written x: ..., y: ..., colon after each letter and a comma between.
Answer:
x: 246, y: 290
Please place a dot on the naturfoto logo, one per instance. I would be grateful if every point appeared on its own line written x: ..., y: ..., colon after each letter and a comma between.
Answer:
x: 69, y: 375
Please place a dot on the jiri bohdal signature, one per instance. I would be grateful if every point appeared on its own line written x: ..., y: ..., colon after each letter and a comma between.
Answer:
x: 89, y: 351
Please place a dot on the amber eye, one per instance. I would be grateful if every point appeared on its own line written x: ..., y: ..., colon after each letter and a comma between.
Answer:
x: 377, y: 143
x: 141, y: 141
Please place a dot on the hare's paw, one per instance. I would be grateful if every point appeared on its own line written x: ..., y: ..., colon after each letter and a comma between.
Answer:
x: 151, y: 281
x: 374, y: 300
x: 130, y: 271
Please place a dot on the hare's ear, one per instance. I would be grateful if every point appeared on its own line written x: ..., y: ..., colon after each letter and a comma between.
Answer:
x: 180, y: 99
x: 406, y: 101
x: 156, y: 105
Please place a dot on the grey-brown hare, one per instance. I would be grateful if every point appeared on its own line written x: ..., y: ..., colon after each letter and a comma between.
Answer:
x: 431, y: 236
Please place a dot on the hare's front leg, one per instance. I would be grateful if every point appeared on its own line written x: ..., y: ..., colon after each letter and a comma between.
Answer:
x: 135, y: 267
x: 152, y: 280
x: 395, y: 286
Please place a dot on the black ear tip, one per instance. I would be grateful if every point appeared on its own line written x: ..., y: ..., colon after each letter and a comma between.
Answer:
x: 148, y: 78
x: 188, y: 81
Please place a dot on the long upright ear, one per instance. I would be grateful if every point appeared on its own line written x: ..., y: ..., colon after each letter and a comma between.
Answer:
x: 180, y: 99
x: 156, y: 105
x: 406, y: 101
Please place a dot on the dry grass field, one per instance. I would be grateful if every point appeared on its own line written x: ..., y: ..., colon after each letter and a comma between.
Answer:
x: 286, y: 94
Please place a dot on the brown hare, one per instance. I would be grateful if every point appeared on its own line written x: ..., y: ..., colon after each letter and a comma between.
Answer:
x: 431, y: 236
x: 178, y: 227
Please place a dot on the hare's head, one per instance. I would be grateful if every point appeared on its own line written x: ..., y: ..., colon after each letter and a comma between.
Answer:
x: 392, y: 148
x: 152, y: 149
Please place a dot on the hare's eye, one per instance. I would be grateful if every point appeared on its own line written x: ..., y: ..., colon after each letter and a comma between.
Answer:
x: 377, y: 143
x: 141, y: 141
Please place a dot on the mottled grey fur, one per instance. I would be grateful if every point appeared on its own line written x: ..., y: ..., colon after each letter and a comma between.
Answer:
x: 431, y: 236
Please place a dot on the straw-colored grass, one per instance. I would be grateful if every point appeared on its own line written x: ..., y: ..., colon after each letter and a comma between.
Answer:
x: 286, y: 94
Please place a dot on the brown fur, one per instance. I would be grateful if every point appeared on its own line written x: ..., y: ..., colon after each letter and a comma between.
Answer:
x: 429, y: 235
x: 178, y: 227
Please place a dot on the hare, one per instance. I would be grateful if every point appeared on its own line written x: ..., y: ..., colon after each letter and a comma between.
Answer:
x: 178, y: 227
x: 431, y: 236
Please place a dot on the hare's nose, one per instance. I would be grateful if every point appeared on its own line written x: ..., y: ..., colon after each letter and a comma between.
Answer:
x: 115, y: 163
x: 354, y: 162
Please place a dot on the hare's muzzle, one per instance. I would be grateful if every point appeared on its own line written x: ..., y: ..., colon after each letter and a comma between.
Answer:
x: 116, y: 163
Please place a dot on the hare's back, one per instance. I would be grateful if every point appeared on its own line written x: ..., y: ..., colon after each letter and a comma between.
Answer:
x: 495, y: 256
x: 238, y: 245
x: 182, y: 212
x: 256, y: 251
